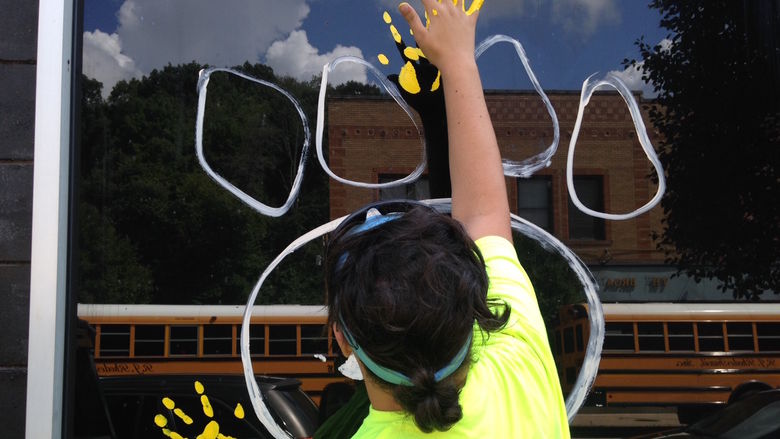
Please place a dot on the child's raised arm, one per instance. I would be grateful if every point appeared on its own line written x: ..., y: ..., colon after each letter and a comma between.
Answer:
x: 479, y: 199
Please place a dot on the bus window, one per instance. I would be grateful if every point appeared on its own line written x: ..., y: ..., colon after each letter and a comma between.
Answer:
x: 711, y: 337
x: 149, y: 340
x: 314, y: 339
x: 282, y: 340
x: 557, y: 345
x: 619, y: 337
x: 568, y: 340
x: 650, y: 336
x: 740, y: 336
x: 768, y: 337
x: 256, y: 340
x: 579, y: 338
x: 114, y: 340
x: 217, y: 339
x: 184, y: 340
x: 681, y: 337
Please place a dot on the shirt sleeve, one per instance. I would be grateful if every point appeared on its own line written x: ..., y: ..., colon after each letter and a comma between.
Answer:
x: 510, y: 283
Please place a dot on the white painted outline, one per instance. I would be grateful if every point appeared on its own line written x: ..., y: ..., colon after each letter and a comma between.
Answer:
x: 588, y: 87
x: 393, y: 91
x: 595, y: 315
x: 203, y: 83
x: 525, y: 168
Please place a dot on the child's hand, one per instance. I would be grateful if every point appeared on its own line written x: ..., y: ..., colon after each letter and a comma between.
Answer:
x: 448, y: 41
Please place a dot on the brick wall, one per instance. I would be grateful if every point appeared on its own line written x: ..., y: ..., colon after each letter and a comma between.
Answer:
x: 370, y: 136
x: 18, y: 31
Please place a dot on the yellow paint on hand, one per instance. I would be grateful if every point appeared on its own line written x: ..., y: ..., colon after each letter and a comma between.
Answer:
x: 168, y: 403
x: 437, y: 82
x: 408, y: 79
x: 160, y: 420
x: 435, y: 12
x: 396, y: 35
x: 210, y: 432
x: 411, y: 54
x: 207, y: 409
x: 383, y: 59
x: 183, y: 416
x: 199, y: 387
x: 475, y: 6
x: 411, y: 32
x: 239, y: 411
x: 387, y: 18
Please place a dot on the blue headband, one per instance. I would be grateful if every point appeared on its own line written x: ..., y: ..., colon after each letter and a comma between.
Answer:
x: 394, y: 377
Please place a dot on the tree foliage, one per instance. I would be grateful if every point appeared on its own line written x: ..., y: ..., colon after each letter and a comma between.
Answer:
x: 717, y: 109
x: 155, y: 228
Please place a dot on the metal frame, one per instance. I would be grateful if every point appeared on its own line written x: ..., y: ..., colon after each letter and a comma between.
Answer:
x: 48, y: 293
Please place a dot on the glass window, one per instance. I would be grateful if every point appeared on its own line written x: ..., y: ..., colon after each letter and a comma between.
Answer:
x: 534, y: 200
x: 619, y: 336
x: 651, y: 336
x: 282, y: 340
x: 740, y: 336
x: 413, y: 191
x: 114, y: 340
x: 149, y: 340
x: 710, y: 337
x: 184, y: 340
x: 217, y: 339
x: 768, y: 337
x: 590, y: 191
x: 568, y: 340
x: 314, y: 339
x: 681, y: 337
x: 256, y: 339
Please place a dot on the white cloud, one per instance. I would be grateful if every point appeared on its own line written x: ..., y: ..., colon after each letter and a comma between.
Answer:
x: 632, y: 75
x: 104, y: 61
x: 296, y: 57
x: 584, y: 16
x: 153, y: 33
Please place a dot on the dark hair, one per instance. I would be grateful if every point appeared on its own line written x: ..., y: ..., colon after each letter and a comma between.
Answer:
x: 409, y: 291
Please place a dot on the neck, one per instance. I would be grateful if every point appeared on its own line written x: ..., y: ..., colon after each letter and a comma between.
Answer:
x: 380, y: 398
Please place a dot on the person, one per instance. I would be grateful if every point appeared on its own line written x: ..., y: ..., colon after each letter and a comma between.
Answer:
x: 438, y: 311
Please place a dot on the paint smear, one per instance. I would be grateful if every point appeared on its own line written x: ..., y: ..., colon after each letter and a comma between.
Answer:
x: 210, y: 432
x: 208, y: 410
x: 396, y: 35
x: 168, y: 403
x: 160, y: 420
x: 383, y: 59
x: 411, y: 54
x: 408, y: 79
x: 199, y: 387
x: 386, y: 17
x: 239, y: 411
x: 183, y: 416
x: 437, y: 82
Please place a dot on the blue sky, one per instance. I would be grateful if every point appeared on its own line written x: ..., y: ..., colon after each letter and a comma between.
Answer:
x: 566, y: 40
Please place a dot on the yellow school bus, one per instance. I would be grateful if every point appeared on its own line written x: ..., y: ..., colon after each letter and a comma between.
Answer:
x: 285, y: 341
x: 673, y: 354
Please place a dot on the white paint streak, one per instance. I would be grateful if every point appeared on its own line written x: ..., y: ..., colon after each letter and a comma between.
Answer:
x: 527, y: 167
x: 264, y: 209
x: 588, y: 87
x: 393, y: 91
x: 351, y: 369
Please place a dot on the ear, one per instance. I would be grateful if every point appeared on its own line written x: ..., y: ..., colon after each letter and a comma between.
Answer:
x: 346, y: 349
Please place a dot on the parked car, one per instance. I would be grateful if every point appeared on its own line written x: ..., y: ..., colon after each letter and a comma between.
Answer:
x: 755, y: 416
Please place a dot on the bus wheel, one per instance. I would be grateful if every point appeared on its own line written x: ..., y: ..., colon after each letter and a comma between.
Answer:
x: 747, y: 389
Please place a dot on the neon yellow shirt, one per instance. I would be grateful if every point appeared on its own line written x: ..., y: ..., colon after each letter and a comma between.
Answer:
x: 512, y: 389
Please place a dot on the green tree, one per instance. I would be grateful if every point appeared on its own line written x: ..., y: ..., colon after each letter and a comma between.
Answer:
x: 718, y: 110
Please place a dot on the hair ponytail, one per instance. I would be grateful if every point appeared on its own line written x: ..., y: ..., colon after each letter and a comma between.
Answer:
x: 434, y: 405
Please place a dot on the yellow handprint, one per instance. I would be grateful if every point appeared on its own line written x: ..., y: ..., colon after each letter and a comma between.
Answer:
x: 210, y: 431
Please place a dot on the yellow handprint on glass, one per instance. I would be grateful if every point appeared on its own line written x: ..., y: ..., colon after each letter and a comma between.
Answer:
x: 211, y: 429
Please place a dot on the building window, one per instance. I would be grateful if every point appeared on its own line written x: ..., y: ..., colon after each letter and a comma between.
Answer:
x: 534, y: 200
x: 417, y: 190
x: 590, y: 191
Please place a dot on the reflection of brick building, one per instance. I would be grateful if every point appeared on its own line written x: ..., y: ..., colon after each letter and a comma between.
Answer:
x: 372, y: 140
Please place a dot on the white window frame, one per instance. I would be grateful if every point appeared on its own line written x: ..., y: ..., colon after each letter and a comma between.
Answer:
x: 48, y: 272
